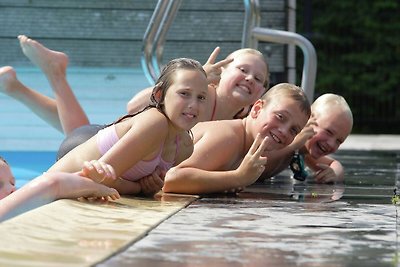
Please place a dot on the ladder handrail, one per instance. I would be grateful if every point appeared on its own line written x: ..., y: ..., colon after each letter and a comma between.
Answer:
x: 252, y: 18
x: 165, y: 13
x: 154, y: 37
x: 310, y: 56
x: 252, y: 33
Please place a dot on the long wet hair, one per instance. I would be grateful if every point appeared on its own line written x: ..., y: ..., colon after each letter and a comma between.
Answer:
x: 165, y: 80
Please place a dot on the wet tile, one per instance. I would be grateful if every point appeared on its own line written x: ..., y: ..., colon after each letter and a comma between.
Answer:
x: 76, y: 233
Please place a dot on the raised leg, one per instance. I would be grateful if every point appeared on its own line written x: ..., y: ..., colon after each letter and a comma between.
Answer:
x: 43, y: 106
x: 54, y: 65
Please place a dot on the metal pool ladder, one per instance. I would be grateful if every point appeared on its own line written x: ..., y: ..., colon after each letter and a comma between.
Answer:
x: 165, y: 13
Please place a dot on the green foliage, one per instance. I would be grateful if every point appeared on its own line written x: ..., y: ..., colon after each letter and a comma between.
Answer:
x: 358, y: 49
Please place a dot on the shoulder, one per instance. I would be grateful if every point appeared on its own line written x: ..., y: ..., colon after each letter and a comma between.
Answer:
x: 226, y: 134
x: 217, y: 128
x: 152, y: 118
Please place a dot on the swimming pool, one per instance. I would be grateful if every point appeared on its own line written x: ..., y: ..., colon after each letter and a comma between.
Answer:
x: 26, y: 165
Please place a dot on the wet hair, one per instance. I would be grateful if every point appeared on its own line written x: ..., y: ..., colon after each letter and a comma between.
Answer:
x: 165, y: 80
x: 256, y: 53
x: 3, y: 160
x: 291, y: 91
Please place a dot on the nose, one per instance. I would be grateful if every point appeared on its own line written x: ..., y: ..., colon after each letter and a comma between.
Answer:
x: 285, y: 134
x: 250, y: 78
x: 193, y: 103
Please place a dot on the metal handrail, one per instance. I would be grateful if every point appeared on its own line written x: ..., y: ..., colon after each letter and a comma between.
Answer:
x: 252, y: 33
x: 252, y: 18
x: 165, y: 13
x: 154, y: 37
x: 310, y: 56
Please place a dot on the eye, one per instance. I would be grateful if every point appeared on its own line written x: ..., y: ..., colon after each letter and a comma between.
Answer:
x: 184, y: 93
x: 294, y: 131
x: 243, y: 70
x: 329, y: 132
x: 279, y: 116
x: 202, y: 97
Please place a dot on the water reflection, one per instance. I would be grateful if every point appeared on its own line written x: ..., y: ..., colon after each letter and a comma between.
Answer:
x: 284, y: 222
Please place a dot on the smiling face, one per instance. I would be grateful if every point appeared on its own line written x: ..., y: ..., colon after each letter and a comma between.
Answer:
x: 186, y: 99
x: 280, y: 120
x: 332, y: 127
x: 7, y: 180
x: 242, y: 80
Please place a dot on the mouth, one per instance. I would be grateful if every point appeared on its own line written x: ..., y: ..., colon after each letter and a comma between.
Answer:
x: 245, y: 88
x: 322, y: 148
x: 190, y: 116
x: 275, y: 138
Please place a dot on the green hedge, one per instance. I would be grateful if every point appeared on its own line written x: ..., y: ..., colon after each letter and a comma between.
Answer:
x: 358, y: 50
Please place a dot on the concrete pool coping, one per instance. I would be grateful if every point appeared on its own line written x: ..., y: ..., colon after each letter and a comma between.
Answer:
x: 372, y: 142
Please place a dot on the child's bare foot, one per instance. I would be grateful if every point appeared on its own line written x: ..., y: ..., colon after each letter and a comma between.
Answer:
x: 49, y: 61
x: 8, y: 80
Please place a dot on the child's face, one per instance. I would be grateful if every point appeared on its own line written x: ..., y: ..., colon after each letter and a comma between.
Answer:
x: 281, y: 120
x: 186, y: 100
x: 243, y: 79
x: 7, y: 180
x: 331, y: 130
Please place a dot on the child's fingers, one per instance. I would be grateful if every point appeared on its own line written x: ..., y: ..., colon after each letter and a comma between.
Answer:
x: 211, y: 59
x: 261, y: 148
x: 223, y: 62
x: 255, y: 144
x: 111, y: 172
x: 97, y: 165
x: 108, y: 170
x: 322, y: 166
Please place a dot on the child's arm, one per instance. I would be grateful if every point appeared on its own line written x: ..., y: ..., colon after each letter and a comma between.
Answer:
x: 143, y: 139
x: 103, y: 173
x: 139, y: 101
x: 188, y: 178
x: 327, y: 169
x: 50, y: 187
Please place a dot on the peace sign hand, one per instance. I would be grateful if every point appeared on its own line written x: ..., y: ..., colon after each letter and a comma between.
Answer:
x: 213, y: 69
x: 253, y: 163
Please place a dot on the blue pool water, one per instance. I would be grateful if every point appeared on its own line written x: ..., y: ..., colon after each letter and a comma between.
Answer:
x: 26, y: 165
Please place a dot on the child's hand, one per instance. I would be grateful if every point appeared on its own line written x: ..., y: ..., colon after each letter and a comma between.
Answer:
x: 306, y: 133
x: 153, y: 183
x: 234, y: 190
x: 253, y: 163
x: 102, y: 192
x: 213, y: 69
x: 326, y: 174
x: 98, y: 171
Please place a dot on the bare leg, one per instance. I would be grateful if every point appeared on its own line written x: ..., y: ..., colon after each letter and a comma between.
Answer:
x: 43, y: 106
x: 54, y: 65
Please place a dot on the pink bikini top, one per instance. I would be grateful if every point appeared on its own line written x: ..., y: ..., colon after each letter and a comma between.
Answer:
x: 108, y: 137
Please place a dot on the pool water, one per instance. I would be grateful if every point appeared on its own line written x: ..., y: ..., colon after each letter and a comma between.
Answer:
x: 26, y: 165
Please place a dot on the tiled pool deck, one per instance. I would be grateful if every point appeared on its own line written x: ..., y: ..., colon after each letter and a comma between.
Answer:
x: 280, y: 222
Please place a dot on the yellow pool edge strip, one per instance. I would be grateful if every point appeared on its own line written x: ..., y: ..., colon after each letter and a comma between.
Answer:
x: 82, y: 233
